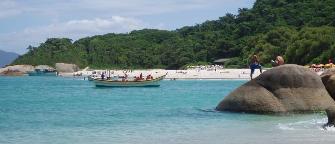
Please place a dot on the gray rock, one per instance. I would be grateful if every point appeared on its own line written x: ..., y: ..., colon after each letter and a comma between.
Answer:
x: 328, y: 72
x: 328, y: 79
x: 286, y: 88
x: 45, y: 67
x: 331, y: 117
x: 18, y: 68
x: 11, y: 73
x: 66, y: 68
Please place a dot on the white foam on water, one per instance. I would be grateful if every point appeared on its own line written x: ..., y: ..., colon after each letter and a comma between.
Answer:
x: 303, y: 125
x: 285, y: 127
x: 330, y: 129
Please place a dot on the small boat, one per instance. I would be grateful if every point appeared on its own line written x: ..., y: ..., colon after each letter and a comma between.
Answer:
x: 92, y: 77
x: 129, y: 83
x: 39, y: 72
x: 43, y: 70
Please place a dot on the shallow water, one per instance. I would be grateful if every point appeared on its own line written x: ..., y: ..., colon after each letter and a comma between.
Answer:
x: 66, y: 111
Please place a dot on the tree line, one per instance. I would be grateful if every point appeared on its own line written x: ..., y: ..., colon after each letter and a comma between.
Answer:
x: 302, y: 32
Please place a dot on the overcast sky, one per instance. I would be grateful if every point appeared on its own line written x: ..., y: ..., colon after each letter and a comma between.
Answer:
x: 31, y: 22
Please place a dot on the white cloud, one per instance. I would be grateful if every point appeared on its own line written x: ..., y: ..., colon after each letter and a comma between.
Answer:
x: 73, y: 29
x: 85, y: 27
x: 36, y: 20
x: 106, y: 8
x: 9, y: 8
x: 140, y: 7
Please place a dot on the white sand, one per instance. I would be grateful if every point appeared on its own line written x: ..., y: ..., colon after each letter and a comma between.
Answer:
x: 178, y: 74
x: 218, y: 74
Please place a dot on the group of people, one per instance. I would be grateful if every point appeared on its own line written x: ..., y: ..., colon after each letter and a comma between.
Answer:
x: 255, y: 63
x: 140, y: 78
x: 321, y: 67
x: 206, y: 67
x: 125, y: 77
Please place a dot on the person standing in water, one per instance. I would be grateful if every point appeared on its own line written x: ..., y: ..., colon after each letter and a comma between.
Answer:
x: 254, y: 65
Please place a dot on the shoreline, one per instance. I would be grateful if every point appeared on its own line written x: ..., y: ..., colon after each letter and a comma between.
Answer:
x: 221, y: 74
x: 190, y: 74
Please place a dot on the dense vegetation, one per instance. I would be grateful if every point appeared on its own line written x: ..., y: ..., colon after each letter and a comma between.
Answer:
x: 303, y: 31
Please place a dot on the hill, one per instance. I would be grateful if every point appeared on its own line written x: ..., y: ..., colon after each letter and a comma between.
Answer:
x: 7, y: 58
x: 301, y: 31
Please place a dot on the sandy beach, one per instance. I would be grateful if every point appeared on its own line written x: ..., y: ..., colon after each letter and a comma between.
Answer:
x: 220, y: 74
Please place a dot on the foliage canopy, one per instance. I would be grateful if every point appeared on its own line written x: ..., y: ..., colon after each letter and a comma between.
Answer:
x: 301, y: 31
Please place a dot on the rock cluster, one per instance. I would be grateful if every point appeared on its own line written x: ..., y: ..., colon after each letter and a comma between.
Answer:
x: 328, y: 79
x: 66, y: 68
x: 16, y: 70
x: 286, y: 88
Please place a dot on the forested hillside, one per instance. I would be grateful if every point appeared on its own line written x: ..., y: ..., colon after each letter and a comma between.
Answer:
x: 303, y: 31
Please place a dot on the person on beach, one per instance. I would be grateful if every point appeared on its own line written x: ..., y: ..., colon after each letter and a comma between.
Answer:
x: 103, y: 75
x: 149, y: 77
x: 254, y: 65
x: 279, y: 61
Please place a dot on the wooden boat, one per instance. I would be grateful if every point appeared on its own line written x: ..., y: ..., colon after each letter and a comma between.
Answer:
x: 139, y: 83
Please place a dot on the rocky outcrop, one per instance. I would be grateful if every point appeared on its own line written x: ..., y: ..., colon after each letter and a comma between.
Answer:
x: 66, y: 68
x: 18, y: 70
x: 22, y: 69
x: 11, y: 73
x: 328, y: 79
x: 45, y: 67
x: 328, y: 72
x: 286, y: 88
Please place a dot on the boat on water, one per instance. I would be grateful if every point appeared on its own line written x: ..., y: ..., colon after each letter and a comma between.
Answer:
x: 92, y: 77
x: 153, y: 82
x: 38, y: 72
x: 43, y: 70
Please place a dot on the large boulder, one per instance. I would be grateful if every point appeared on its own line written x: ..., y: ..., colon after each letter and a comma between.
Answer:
x: 66, y: 68
x: 328, y: 72
x: 328, y: 79
x: 11, y: 73
x: 21, y: 68
x: 17, y: 68
x: 286, y: 88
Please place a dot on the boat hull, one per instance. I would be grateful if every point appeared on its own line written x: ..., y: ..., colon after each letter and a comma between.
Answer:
x: 42, y: 73
x: 90, y: 78
x: 124, y: 84
x: 111, y: 83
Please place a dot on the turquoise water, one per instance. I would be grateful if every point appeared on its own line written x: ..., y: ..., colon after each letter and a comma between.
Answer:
x: 36, y: 110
